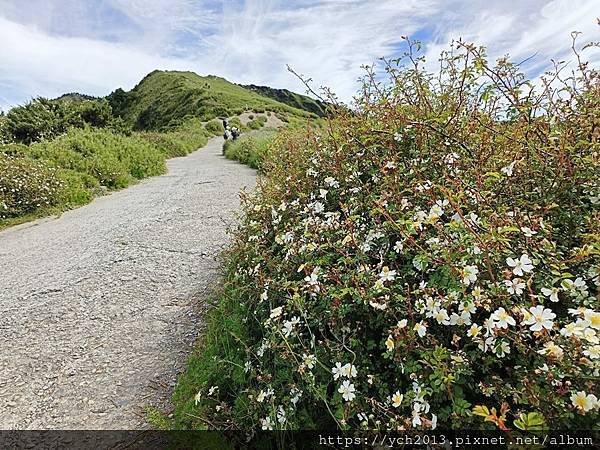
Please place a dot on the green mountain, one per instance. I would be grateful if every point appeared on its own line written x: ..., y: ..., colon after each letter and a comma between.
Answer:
x: 290, y: 98
x: 165, y: 99
x: 76, y: 97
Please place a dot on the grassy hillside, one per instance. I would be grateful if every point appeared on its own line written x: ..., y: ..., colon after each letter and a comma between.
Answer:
x: 291, y: 98
x: 165, y: 99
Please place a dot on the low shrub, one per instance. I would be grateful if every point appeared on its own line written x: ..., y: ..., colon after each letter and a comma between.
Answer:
x: 431, y: 260
x: 215, y: 127
x: 249, y: 149
x: 114, y: 160
x: 27, y: 185
x: 236, y: 122
x: 257, y: 124
x: 168, y: 143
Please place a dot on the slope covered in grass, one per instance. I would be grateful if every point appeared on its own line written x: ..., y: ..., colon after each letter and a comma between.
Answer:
x: 291, y: 98
x: 164, y: 99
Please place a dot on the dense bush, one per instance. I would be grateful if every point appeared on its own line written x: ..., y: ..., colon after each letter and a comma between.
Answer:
x: 167, y: 143
x: 26, y: 185
x: 257, y: 123
x: 432, y: 260
x: 45, y: 119
x: 114, y: 160
x: 215, y: 127
x: 249, y: 149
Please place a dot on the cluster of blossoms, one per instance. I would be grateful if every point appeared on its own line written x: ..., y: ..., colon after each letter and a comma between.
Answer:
x: 405, y: 279
x: 26, y: 185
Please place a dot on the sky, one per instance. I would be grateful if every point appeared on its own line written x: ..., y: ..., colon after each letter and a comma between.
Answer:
x: 50, y: 47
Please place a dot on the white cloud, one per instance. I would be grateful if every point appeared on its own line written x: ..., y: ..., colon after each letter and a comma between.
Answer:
x: 94, y: 46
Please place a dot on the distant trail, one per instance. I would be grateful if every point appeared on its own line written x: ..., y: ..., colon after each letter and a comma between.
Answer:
x: 98, y: 308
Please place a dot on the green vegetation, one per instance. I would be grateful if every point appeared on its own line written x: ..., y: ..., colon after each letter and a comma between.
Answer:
x: 299, y: 101
x: 429, y: 259
x: 58, y: 154
x: 256, y: 123
x: 251, y: 148
x: 46, y: 119
x: 114, y: 160
x: 166, y: 99
x: 215, y: 127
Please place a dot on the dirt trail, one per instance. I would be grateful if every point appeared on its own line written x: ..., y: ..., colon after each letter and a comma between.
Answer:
x: 97, y: 307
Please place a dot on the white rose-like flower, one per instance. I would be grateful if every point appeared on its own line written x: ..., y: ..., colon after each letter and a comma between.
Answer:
x: 540, y: 318
x: 347, y: 390
x: 521, y: 265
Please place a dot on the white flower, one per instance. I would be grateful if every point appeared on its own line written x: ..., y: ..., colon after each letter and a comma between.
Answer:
x: 420, y: 328
x: 197, y: 398
x: 318, y: 207
x: 386, y: 274
x: 540, y: 318
x: 569, y: 330
x: 266, y: 423
x: 502, y: 349
x: 502, y: 319
x: 389, y: 343
x: 397, y: 137
x: 288, y: 326
x: 332, y: 182
x: 433, y: 421
x: 515, y: 286
x: 398, y: 247
x: 441, y: 316
x: 523, y: 264
x: 276, y: 312
x: 593, y: 318
x: 551, y: 293
x: 402, y: 323
x: 397, y: 399
x: 592, y: 352
x: 551, y: 349
x: 390, y: 165
x: 347, y: 390
x: 469, y: 274
x: 416, y: 420
x: 349, y: 371
x: 309, y: 360
x: 338, y: 370
x: 261, y: 396
x: 264, y: 296
x: 474, y: 330
x: 528, y: 232
x: 584, y: 402
x: 281, y: 415
x: 379, y: 306
x: 508, y: 170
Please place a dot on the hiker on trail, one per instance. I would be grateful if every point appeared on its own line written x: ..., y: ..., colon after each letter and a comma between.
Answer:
x: 225, y: 123
x: 235, y: 133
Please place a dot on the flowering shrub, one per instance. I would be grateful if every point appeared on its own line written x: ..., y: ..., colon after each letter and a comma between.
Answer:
x: 432, y: 260
x: 26, y: 185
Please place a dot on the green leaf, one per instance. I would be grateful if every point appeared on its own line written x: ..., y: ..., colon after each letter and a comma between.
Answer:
x: 533, y: 421
x: 481, y: 410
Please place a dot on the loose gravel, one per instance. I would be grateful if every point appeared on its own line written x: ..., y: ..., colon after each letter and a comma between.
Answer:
x: 99, y: 307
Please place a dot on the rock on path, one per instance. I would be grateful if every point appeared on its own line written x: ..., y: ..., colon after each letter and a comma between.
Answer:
x: 98, y: 308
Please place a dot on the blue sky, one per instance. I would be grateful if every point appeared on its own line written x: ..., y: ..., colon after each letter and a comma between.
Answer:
x: 49, y: 47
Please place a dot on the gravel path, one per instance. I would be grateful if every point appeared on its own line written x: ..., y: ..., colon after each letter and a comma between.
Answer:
x: 99, y: 308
